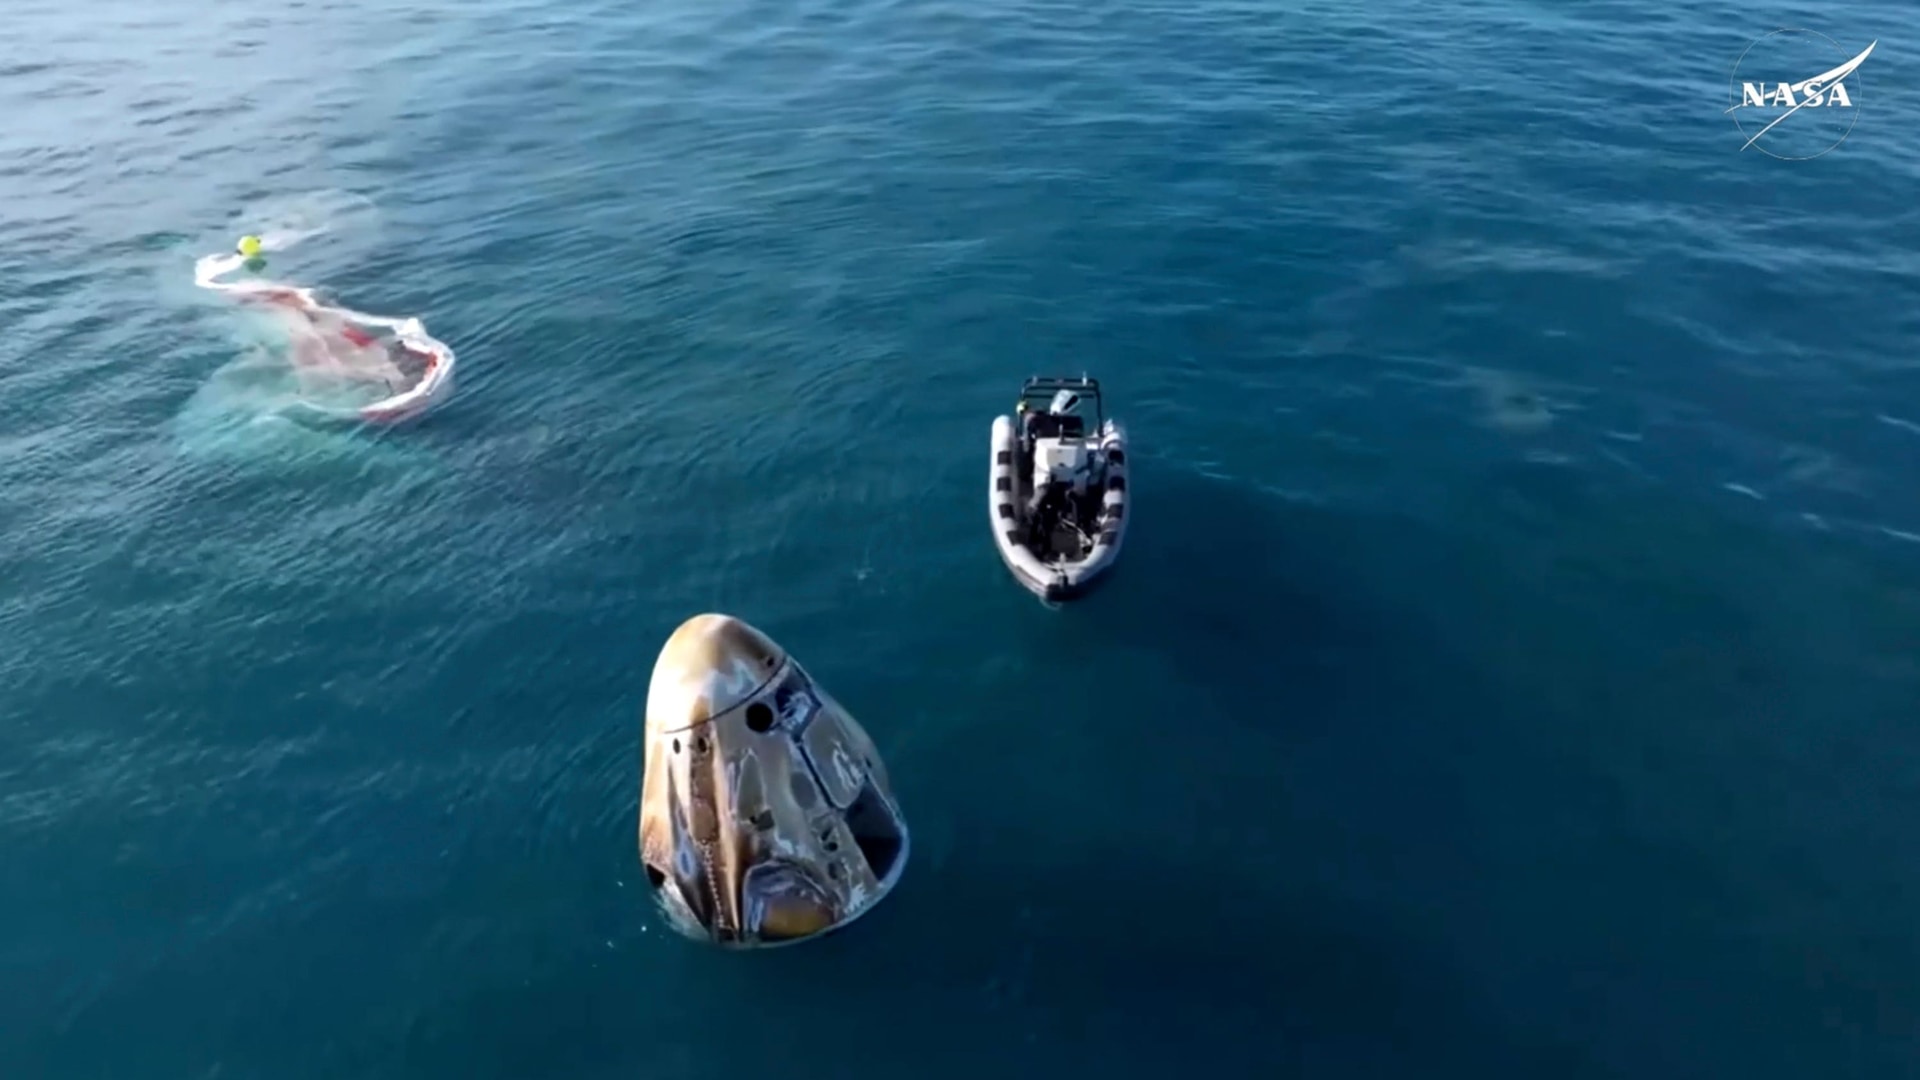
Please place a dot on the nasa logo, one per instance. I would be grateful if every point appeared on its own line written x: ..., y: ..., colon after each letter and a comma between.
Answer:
x: 1799, y: 119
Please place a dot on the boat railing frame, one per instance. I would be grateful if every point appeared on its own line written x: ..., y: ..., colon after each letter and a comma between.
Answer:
x: 1041, y: 388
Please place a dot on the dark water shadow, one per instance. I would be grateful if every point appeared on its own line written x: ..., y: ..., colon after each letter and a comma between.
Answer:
x: 1129, y: 963
x: 1262, y: 605
x: 1166, y: 900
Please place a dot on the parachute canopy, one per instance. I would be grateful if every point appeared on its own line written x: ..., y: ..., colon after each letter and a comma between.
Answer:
x: 348, y: 365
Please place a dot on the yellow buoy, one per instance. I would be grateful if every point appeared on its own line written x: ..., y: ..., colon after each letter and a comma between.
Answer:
x: 250, y: 246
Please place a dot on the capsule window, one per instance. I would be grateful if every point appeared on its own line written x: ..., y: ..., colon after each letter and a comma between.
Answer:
x: 876, y: 831
x: 759, y: 717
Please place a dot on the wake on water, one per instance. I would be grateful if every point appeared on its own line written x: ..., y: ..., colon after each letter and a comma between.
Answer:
x: 306, y: 363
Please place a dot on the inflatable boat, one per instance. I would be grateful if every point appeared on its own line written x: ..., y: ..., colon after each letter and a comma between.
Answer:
x: 1058, y: 487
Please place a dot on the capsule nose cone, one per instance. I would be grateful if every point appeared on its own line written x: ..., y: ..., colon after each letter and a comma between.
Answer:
x: 711, y: 664
x: 766, y: 815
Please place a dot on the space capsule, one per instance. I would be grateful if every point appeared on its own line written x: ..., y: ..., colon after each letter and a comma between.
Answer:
x: 766, y: 815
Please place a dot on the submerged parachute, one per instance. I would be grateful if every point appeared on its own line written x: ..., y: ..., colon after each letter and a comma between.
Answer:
x: 349, y: 365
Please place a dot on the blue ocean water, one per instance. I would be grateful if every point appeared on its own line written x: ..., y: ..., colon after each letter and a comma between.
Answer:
x: 1512, y: 671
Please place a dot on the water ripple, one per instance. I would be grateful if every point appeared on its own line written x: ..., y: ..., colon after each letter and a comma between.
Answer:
x: 736, y: 289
